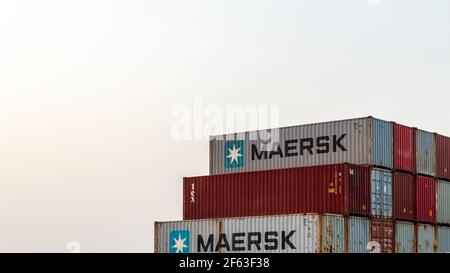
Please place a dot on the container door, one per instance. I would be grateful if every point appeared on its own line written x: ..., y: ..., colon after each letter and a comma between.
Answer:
x: 444, y: 239
x: 381, y: 193
x: 333, y: 234
x: 425, y: 155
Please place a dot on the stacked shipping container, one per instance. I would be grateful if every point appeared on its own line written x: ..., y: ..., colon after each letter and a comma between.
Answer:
x: 425, y: 153
x: 340, y: 189
x: 405, y: 196
x: 442, y: 157
x: 404, y: 237
x: 304, y: 233
x: 365, y: 141
x: 358, y: 234
x: 425, y: 238
x: 379, y: 176
x: 404, y: 148
x: 443, y: 202
x: 426, y: 199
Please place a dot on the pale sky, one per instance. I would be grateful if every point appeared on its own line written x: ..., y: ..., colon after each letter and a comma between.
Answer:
x: 87, y: 89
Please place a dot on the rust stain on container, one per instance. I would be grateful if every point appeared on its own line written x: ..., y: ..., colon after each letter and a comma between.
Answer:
x: 366, y: 141
x: 382, y: 232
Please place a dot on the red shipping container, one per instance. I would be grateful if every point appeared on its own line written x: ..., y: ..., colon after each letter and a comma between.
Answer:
x: 382, y: 232
x: 404, y: 148
x: 442, y: 157
x: 425, y: 199
x: 404, y: 194
x: 340, y: 189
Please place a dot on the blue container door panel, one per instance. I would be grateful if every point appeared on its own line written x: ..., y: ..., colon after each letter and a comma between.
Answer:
x: 381, y: 193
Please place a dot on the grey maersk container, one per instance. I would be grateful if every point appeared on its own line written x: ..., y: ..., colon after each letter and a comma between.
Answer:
x: 302, y: 233
x: 366, y: 141
x: 381, y: 193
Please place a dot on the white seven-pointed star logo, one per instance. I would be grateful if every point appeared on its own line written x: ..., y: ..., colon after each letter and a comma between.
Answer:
x: 234, y: 154
x: 179, y: 244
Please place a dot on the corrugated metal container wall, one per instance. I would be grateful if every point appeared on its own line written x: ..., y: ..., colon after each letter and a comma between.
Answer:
x: 404, y: 148
x: 358, y: 234
x: 365, y: 141
x: 319, y: 189
x: 382, y: 232
x: 425, y: 199
x: 404, y: 193
x: 404, y: 238
x: 442, y: 156
x: 359, y: 190
x: 309, y: 233
x: 443, y: 202
x: 382, y: 141
x: 425, y: 238
x: 443, y: 239
x: 333, y: 234
x: 425, y: 153
x: 381, y: 184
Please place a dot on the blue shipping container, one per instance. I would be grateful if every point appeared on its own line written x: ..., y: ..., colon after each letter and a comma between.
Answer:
x: 381, y: 195
x: 425, y: 153
x: 333, y: 234
x: 404, y: 237
x: 425, y: 238
x: 443, y: 239
x: 382, y: 141
x: 358, y: 234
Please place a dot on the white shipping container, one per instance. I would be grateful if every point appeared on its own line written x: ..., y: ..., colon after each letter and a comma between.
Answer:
x: 367, y: 141
x: 303, y: 233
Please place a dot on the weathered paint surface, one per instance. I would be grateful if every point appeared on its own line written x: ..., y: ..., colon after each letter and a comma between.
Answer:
x: 404, y: 193
x: 425, y: 238
x: 425, y: 153
x: 442, y: 157
x: 404, y: 237
x: 426, y: 199
x: 358, y: 141
x: 404, y: 148
x: 381, y: 184
x: 169, y: 233
x: 443, y: 239
x: 358, y: 234
x: 443, y: 202
x: 382, y: 141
